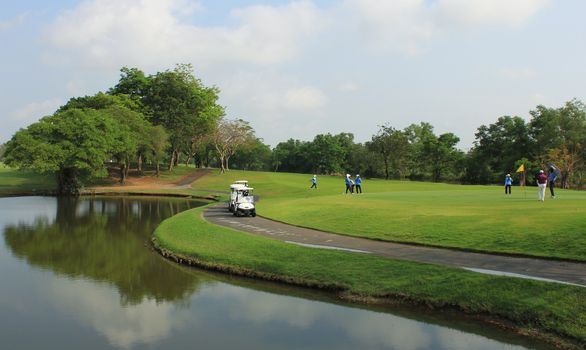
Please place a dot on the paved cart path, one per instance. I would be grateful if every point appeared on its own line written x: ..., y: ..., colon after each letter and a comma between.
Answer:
x: 558, y: 271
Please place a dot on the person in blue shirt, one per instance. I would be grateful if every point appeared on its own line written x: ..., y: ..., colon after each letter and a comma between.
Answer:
x: 313, y: 182
x: 349, y: 184
x: 508, y: 183
x: 358, y: 184
x: 551, y: 179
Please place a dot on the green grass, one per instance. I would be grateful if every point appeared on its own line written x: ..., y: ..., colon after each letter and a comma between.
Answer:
x: 479, y: 218
x: 548, y: 307
x: 14, y: 182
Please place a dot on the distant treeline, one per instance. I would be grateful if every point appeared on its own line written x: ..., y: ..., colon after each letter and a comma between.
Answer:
x: 552, y: 136
x: 172, y: 117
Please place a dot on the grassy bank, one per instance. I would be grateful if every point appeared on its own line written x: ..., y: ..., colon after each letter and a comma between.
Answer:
x: 479, y: 218
x: 531, y: 306
x: 18, y: 182
x: 13, y: 182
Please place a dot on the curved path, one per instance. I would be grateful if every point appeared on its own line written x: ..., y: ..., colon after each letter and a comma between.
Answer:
x: 540, y: 269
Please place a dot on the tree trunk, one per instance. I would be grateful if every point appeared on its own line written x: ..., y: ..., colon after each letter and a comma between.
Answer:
x: 187, y: 160
x: 222, y: 168
x: 158, y: 172
x: 386, y: 168
x: 67, y: 182
x: 122, y: 173
x: 139, y: 163
x: 172, y: 162
x: 227, y: 159
x: 127, y: 169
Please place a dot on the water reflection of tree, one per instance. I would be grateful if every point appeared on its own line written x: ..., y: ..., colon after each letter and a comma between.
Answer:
x: 105, y: 239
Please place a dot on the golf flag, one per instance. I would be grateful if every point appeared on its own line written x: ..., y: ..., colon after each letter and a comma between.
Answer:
x: 521, y: 169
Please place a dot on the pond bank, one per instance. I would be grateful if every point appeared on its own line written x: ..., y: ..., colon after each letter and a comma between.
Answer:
x: 554, y: 313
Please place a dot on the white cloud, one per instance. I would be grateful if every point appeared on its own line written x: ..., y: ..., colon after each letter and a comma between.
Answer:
x: 13, y: 22
x: 35, y: 110
x: 112, y: 33
x: 517, y: 73
x: 306, y: 97
x: 400, y: 25
x: 348, y: 87
x: 487, y: 12
x: 408, y: 26
x: 124, y: 327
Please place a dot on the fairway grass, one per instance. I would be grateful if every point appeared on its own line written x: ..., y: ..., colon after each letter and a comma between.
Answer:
x: 13, y: 182
x: 534, y: 308
x: 475, y: 218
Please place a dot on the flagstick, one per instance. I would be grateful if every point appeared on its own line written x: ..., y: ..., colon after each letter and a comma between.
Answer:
x: 524, y: 186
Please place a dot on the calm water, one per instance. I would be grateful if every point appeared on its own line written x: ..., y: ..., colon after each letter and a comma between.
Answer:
x: 79, y: 274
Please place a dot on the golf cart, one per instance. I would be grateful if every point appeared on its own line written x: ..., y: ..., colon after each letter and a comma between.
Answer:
x: 233, y: 188
x: 244, y: 202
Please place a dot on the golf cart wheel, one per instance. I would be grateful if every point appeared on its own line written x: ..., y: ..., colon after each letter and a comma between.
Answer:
x: 253, y: 214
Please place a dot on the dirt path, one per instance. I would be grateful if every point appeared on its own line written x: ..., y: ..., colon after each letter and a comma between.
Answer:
x: 154, y: 183
x: 540, y: 269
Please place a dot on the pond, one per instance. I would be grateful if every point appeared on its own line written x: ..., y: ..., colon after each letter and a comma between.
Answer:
x: 80, y: 274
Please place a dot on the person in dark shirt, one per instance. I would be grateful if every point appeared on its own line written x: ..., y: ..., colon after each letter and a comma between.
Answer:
x: 551, y: 179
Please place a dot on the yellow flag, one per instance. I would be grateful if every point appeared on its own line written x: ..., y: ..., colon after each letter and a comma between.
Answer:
x: 521, y: 168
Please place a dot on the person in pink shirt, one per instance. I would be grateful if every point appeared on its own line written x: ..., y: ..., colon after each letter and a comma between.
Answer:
x: 541, y: 179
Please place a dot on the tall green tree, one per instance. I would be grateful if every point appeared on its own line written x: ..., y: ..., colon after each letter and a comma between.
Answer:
x: 133, y: 130
x: 184, y: 106
x: 560, y: 136
x: 497, y: 147
x: 74, y: 144
x: 392, y: 146
x: 157, y: 146
x: 328, y: 154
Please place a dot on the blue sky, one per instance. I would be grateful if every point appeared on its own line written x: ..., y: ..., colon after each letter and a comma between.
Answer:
x: 298, y: 68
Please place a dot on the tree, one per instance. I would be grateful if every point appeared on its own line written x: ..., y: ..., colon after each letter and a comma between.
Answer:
x: 158, y: 143
x: 74, y: 144
x: 184, y: 106
x: 392, y: 146
x: 132, y: 83
x: 498, y: 146
x: 133, y: 130
x: 228, y: 137
x: 253, y: 155
x: 2, y: 151
x: 559, y: 135
x: 327, y: 154
x: 442, y: 156
x: 291, y: 156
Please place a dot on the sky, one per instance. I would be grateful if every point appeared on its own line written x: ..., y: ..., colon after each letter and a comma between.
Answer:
x: 295, y: 69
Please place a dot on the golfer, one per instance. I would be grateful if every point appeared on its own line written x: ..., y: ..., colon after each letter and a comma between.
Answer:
x: 542, y: 184
x: 551, y: 179
x: 358, y: 184
x: 349, y: 184
x: 508, y: 183
x: 313, y: 182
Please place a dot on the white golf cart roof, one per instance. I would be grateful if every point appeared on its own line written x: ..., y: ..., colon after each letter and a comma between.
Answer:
x: 236, y: 186
x: 240, y: 182
x: 245, y: 188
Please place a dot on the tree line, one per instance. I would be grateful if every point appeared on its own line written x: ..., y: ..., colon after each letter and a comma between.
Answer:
x: 552, y: 136
x: 171, y: 117
x: 154, y: 119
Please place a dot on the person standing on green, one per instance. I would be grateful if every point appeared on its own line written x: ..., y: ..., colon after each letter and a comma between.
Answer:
x: 358, y: 184
x: 313, y: 182
x: 551, y: 180
x: 508, y: 183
